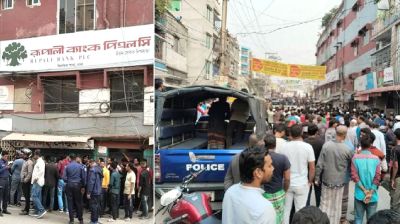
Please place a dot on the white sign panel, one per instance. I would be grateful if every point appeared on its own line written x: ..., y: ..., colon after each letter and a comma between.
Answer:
x: 6, y: 124
x: 94, y: 102
x: 360, y: 83
x: 127, y: 46
x: 388, y: 75
x: 331, y: 76
x: 148, y: 112
x: 7, y: 97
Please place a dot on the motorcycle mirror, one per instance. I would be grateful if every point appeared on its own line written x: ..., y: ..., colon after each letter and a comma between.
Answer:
x: 192, y: 157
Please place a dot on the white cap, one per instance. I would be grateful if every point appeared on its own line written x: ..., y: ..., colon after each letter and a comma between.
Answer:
x: 397, y: 117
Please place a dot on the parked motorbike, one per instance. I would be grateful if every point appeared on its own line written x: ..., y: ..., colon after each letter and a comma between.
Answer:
x: 185, y: 207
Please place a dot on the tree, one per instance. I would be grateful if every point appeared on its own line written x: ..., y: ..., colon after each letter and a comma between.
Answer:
x: 161, y: 7
x: 13, y: 53
x: 328, y: 16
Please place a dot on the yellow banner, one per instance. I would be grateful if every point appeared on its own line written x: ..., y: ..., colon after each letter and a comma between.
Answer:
x: 288, y: 70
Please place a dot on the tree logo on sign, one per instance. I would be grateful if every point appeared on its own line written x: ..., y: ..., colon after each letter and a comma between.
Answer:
x: 13, y: 53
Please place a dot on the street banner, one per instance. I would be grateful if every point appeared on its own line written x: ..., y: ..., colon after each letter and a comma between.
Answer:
x: 273, y: 68
x: 119, y: 47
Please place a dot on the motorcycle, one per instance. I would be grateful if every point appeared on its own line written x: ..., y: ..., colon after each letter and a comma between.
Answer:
x: 189, y: 208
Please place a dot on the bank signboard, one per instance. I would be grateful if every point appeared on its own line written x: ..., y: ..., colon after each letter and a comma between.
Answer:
x: 119, y: 47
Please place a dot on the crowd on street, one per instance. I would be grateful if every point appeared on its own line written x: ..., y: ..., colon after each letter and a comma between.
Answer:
x: 72, y: 184
x: 316, y: 151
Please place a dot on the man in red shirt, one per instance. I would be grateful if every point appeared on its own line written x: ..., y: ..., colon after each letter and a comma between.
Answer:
x: 62, y: 199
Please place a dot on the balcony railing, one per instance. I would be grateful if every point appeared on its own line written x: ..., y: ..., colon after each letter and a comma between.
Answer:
x: 388, y: 20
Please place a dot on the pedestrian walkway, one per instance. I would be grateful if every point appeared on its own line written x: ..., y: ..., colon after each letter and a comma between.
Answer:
x: 56, y: 217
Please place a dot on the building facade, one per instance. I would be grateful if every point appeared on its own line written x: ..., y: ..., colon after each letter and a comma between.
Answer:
x: 379, y: 89
x: 203, y: 22
x: 171, y: 51
x: 345, y: 47
x: 81, y: 70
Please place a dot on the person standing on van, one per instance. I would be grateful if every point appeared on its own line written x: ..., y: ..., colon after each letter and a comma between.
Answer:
x: 239, y: 114
x: 218, y: 113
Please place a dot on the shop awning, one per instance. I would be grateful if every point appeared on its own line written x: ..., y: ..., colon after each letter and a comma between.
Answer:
x: 379, y: 90
x: 45, y: 138
x: 20, y: 140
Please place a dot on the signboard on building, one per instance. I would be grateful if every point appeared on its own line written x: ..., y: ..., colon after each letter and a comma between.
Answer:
x: 380, y: 78
x: 6, y: 124
x: 274, y: 68
x: 360, y: 83
x: 102, y: 151
x: 388, y: 75
x: 148, y: 111
x: 371, y: 80
x: 53, y: 145
x: 7, y: 97
x: 127, y: 46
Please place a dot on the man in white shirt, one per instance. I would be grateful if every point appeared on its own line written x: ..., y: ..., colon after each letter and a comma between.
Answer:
x: 397, y: 124
x: 280, y: 132
x: 244, y: 202
x: 37, y: 184
x: 302, y: 171
x: 379, y: 142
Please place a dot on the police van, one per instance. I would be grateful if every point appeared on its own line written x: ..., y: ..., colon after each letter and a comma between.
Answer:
x: 179, y: 131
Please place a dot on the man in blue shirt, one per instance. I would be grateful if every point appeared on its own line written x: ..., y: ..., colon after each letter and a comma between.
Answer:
x: 75, y: 179
x: 94, y: 190
x: 16, y: 184
x: 4, y: 175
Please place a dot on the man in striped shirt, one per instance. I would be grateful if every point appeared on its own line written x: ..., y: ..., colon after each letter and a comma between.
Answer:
x: 365, y: 172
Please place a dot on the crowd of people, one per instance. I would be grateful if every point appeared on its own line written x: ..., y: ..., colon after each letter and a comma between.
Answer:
x: 72, y: 183
x: 318, y: 151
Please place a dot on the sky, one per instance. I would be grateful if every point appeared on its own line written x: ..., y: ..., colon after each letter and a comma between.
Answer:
x: 295, y: 45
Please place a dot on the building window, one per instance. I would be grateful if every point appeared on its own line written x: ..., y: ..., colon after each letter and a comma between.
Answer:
x: 127, y: 91
x: 176, y: 44
x: 32, y: 2
x: 7, y: 4
x: 355, y: 50
x: 208, y: 67
x: 60, y: 95
x: 210, y: 15
x: 366, y: 38
x: 208, y: 41
x: 175, y: 5
x: 76, y: 16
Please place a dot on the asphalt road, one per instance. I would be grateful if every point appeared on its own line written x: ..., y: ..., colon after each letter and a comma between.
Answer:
x: 384, y: 203
x: 57, y: 217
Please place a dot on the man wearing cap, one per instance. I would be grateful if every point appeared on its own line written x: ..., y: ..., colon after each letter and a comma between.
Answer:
x: 26, y: 176
x: 397, y: 124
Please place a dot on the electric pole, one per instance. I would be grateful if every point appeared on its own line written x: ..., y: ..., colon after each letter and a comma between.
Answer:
x: 223, y: 38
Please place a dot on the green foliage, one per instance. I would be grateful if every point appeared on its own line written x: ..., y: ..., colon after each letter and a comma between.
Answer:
x: 328, y: 16
x: 161, y: 7
x: 13, y: 53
